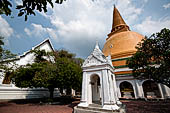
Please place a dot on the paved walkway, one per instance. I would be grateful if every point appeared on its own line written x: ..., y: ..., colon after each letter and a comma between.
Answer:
x: 147, y: 106
x: 11, y: 107
x: 132, y: 107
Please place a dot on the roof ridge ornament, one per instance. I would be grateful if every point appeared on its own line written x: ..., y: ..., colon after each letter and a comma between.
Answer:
x: 96, y: 57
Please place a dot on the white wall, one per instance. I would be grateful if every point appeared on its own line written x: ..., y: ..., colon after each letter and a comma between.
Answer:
x: 138, y: 89
x: 9, y: 91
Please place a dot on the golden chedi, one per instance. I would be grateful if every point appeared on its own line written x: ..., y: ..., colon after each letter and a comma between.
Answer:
x: 121, y: 42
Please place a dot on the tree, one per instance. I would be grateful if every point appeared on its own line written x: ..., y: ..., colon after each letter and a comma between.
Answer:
x: 36, y: 75
x: 69, y: 70
x: 28, y: 7
x: 49, y: 71
x: 69, y: 74
x: 1, y: 44
x: 5, y: 60
x: 42, y: 73
x: 152, y: 59
x: 4, y: 54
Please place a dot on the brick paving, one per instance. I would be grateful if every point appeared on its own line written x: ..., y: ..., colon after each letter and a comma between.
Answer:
x: 133, y: 106
x: 136, y: 106
x: 11, y: 107
x: 27, y: 108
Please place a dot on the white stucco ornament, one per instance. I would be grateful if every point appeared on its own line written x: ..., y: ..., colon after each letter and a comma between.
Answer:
x: 96, y: 57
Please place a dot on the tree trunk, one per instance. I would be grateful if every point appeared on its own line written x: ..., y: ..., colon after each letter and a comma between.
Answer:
x: 68, y: 91
x: 51, y: 90
x: 61, y: 91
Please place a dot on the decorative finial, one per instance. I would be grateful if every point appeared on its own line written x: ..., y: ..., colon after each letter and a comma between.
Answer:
x: 97, y: 45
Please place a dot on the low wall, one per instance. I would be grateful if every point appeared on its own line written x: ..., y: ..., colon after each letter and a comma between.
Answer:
x: 9, y: 91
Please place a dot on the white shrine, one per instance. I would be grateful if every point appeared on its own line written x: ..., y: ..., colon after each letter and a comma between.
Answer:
x: 99, y: 90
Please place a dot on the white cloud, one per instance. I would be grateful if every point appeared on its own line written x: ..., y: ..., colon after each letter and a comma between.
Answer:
x: 80, y: 23
x: 18, y: 35
x: 145, y: 1
x: 166, y: 6
x: 129, y: 11
x: 77, y: 29
x: 5, y: 28
x: 150, y: 26
x: 39, y: 31
x: 52, y: 33
x: 76, y: 25
x: 27, y: 31
x: 18, y: 2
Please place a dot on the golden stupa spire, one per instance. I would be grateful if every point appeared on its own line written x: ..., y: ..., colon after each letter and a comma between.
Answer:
x: 117, y: 18
x: 119, y: 24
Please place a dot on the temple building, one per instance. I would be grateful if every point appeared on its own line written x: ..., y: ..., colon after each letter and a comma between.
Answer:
x: 120, y: 44
x: 9, y: 91
x: 101, y: 69
x: 107, y: 78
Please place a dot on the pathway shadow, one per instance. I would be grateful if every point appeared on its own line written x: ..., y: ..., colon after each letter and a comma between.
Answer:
x: 63, y: 100
x: 3, y: 104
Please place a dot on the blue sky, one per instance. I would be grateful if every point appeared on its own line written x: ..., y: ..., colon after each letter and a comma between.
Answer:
x: 77, y: 24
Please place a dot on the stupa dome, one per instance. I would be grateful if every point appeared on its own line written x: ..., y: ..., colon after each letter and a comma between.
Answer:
x: 121, y: 42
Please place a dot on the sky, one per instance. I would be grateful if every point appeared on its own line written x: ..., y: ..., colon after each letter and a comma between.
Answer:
x: 76, y: 25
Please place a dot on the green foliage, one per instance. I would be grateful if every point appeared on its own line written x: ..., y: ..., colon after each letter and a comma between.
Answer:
x: 4, y: 58
x: 23, y: 76
x: 79, y: 61
x: 152, y: 59
x: 1, y: 44
x: 4, y: 54
x: 47, y: 76
x: 36, y: 75
x: 4, y: 7
x: 69, y: 74
x: 50, y: 70
x: 63, y: 54
x: 39, y: 55
x: 66, y: 54
x: 28, y: 7
x: 69, y: 70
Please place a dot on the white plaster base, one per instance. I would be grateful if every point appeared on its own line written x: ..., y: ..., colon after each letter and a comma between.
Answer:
x: 83, y: 104
x: 111, y: 107
x: 119, y: 103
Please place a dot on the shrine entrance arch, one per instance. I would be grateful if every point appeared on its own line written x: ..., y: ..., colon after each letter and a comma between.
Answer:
x: 96, y: 89
x: 151, y: 89
x: 126, y: 90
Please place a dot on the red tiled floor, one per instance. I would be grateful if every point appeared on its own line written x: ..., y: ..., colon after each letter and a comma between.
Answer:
x: 131, y: 105
x: 137, y: 106
x: 6, y: 107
